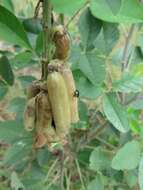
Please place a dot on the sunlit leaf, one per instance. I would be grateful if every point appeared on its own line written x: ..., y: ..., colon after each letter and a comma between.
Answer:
x: 129, y: 84
x: 66, y: 6
x: 115, y: 113
x: 6, y: 71
x: 16, y: 184
x: 99, y: 159
x: 11, y: 30
x: 127, y: 157
x: 122, y: 14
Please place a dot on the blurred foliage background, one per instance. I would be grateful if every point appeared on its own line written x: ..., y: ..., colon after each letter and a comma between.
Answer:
x: 106, y: 58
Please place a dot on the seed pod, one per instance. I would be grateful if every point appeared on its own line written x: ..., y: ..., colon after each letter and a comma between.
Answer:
x: 55, y: 65
x: 29, y: 115
x: 45, y: 132
x: 33, y: 89
x: 72, y: 93
x: 62, y: 42
x: 59, y: 101
x: 40, y: 140
x: 43, y: 111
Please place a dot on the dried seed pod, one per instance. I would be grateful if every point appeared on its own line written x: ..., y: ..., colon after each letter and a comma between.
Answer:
x: 43, y: 86
x: 59, y: 101
x: 45, y: 132
x: 55, y: 65
x: 29, y: 115
x: 43, y: 111
x: 40, y: 140
x: 62, y: 42
x: 72, y: 93
x: 33, y: 89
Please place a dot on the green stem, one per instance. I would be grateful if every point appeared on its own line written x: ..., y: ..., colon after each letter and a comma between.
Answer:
x: 62, y: 19
x: 80, y: 174
x: 47, y: 9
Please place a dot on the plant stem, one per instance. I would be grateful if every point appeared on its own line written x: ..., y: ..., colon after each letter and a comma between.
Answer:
x: 62, y: 171
x: 125, y: 58
x: 62, y: 19
x: 80, y: 174
x: 47, y: 9
x: 50, y: 170
x: 126, y: 48
x: 77, y: 13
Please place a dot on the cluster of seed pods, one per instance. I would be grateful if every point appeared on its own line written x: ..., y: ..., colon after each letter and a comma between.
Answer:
x: 52, y: 105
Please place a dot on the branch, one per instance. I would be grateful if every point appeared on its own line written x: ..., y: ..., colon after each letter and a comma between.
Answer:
x: 76, y: 14
x: 47, y: 10
x: 124, y: 63
x: 125, y: 58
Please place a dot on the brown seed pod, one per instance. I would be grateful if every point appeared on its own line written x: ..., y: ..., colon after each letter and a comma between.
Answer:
x: 45, y: 132
x: 33, y: 89
x: 40, y: 140
x: 43, y: 111
x: 72, y: 93
x: 29, y: 115
x: 62, y: 42
x: 59, y: 101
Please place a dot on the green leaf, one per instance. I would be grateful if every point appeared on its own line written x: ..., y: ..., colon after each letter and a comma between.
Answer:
x: 16, y: 154
x: 3, y: 89
x: 39, y: 43
x: 137, y: 104
x: 129, y: 83
x: 6, y: 71
x: 22, y: 59
x: 115, y: 113
x: 11, y: 30
x: 124, y: 15
x: 83, y: 115
x: 111, y: 35
x: 93, y: 67
x: 93, y: 27
x: 66, y: 6
x: 140, y: 174
x: 99, y: 159
x: 85, y: 87
x: 33, y: 25
x: 11, y: 130
x: 26, y: 80
x: 16, y: 105
x: 96, y: 184
x: 131, y: 179
x: 8, y: 4
x: 109, y: 32
x: 114, y: 5
x: 15, y: 182
x: 128, y: 157
x: 43, y: 156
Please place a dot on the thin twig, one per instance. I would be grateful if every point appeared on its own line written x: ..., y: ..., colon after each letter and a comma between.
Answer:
x: 125, y: 58
x: 68, y: 178
x: 37, y: 8
x: 106, y: 143
x: 126, y: 48
x: 50, y: 170
x: 91, y: 135
x: 80, y: 174
x: 76, y: 14
x: 132, y: 100
x: 62, y: 171
x: 53, y: 181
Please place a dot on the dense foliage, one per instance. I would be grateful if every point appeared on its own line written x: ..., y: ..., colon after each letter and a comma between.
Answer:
x: 106, y: 58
